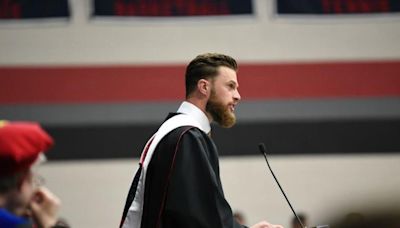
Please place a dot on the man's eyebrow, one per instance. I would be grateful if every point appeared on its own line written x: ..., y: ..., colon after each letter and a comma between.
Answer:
x: 234, y: 82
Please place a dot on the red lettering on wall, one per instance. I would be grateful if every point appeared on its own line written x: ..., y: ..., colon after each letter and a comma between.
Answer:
x: 170, y: 7
x: 153, y: 8
x: 337, y: 6
x: 10, y: 9
x: 118, y: 8
x: 354, y: 6
x: 130, y: 10
x: 384, y: 5
x: 365, y: 7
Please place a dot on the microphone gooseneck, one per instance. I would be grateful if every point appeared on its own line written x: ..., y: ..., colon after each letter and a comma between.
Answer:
x: 263, y: 150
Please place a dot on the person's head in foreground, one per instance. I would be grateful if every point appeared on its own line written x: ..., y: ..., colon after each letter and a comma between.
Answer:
x: 23, y: 202
x: 388, y: 218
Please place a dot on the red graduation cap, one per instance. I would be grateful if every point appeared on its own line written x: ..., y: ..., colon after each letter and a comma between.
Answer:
x: 20, y: 145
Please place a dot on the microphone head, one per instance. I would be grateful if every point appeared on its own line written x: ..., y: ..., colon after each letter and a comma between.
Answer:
x: 262, y: 148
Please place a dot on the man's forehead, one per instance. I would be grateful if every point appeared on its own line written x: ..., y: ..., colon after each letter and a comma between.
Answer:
x: 226, y: 73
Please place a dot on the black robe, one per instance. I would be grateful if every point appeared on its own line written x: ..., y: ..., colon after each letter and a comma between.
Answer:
x: 183, y: 186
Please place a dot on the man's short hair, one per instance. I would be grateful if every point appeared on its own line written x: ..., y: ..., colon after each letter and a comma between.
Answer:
x: 206, y: 66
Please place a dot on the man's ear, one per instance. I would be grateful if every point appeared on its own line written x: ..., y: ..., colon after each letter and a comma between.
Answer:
x: 204, y: 87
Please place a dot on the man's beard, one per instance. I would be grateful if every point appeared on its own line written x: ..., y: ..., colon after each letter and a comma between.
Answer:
x: 220, y: 112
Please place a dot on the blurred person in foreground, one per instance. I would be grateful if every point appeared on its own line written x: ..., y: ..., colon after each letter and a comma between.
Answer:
x: 178, y: 182
x: 23, y: 202
x: 372, y: 218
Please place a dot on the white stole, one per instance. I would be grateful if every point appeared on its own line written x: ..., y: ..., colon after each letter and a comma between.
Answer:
x: 134, y: 216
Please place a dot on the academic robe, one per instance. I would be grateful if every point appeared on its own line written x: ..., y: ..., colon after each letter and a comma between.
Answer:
x: 183, y: 186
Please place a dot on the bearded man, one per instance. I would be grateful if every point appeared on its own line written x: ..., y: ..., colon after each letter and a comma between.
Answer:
x: 178, y: 182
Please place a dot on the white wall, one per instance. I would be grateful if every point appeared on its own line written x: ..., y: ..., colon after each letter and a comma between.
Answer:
x: 261, y: 38
x: 94, y: 192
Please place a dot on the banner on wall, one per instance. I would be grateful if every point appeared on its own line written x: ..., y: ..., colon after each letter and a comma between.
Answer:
x: 329, y: 7
x: 166, y: 8
x: 29, y: 9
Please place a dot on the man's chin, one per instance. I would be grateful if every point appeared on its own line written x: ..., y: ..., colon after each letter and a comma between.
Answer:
x: 228, y: 121
x: 223, y: 115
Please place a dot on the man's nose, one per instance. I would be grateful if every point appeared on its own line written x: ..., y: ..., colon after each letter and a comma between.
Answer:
x: 236, y: 95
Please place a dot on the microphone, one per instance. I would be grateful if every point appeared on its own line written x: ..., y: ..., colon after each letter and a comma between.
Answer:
x: 263, y: 150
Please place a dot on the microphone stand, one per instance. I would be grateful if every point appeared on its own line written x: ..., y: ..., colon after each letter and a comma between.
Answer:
x: 262, y: 148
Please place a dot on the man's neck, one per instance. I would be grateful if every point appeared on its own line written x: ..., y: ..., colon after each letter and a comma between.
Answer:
x: 201, y: 104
